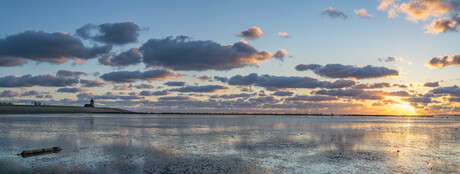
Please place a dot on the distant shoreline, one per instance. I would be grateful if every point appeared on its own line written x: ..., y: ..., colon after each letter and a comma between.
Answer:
x: 49, y: 109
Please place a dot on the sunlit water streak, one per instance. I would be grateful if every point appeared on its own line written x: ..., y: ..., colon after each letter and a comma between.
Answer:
x: 230, y: 144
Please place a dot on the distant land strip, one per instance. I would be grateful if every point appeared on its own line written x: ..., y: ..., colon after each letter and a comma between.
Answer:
x: 49, y: 109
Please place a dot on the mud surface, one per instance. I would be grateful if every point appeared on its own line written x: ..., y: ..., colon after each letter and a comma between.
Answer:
x: 95, y: 143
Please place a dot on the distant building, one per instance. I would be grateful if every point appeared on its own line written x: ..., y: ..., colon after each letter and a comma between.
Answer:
x: 91, y: 104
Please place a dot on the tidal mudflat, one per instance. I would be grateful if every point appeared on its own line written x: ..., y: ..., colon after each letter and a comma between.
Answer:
x: 114, y: 143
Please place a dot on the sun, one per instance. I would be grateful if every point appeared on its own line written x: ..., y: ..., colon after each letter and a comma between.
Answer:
x: 406, y: 109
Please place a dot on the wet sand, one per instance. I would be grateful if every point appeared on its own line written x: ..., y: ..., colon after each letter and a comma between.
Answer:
x: 116, y: 143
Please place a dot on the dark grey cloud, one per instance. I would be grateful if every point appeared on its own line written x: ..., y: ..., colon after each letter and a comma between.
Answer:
x: 108, y: 96
x: 352, y: 93
x: 43, y: 96
x: 92, y: 83
x: 9, y: 94
x: 279, y: 82
x: 32, y: 93
x: 454, y: 99
x: 431, y: 84
x: 174, y: 83
x: 334, y: 13
x: 204, y: 78
x: 39, y: 46
x: 40, y: 80
x: 130, y: 57
x: 437, y: 62
x: 349, y: 71
x: 132, y: 76
x: 205, y: 88
x: 69, y: 73
x: 123, y: 87
x: 251, y: 33
x: 154, y: 93
x: 221, y: 79
x: 451, y: 90
x: 372, y: 86
x: 71, y: 90
x: 316, y: 98
x: 182, y: 53
x: 283, y: 93
x: 233, y: 96
x: 444, y: 25
x: 175, y: 98
x: 144, y: 86
x: 110, y: 33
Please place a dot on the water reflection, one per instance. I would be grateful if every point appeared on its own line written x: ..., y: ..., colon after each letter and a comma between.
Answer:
x: 230, y: 144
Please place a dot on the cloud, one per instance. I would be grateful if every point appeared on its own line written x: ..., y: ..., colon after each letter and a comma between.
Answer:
x: 334, y: 13
x: 144, y: 86
x: 431, y: 84
x: 233, y: 96
x: 454, y: 99
x: 110, y: 33
x: 32, y: 93
x: 221, y: 79
x: 39, y: 46
x: 437, y: 62
x: 154, y: 93
x: 318, y: 98
x: 9, y: 94
x: 372, y: 86
x: 205, y: 88
x: 362, y: 13
x: 107, y: 96
x: 174, y: 83
x: 283, y: 93
x: 43, y: 96
x: 280, y: 82
x: 443, y: 25
x: 353, y: 93
x: 69, y: 73
x: 172, y: 98
x: 130, y: 57
x: 122, y: 87
x: 424, y: 9
x: 182, y: 53
x: 72, y: 90
x: 394, y: 59
x: 40, y: 80
x: 92, y: 83
x: 132, y: 76
x: 251, y: 33
x: 204, y: 78
x: 283, y: 34
x: 348, y: 71
x: 389, y: 6
x: 451, y: 90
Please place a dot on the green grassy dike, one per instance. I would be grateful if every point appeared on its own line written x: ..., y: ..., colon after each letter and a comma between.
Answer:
x: 44, y: 109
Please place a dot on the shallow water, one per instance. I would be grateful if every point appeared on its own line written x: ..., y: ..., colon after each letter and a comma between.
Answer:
x: 94, y: 143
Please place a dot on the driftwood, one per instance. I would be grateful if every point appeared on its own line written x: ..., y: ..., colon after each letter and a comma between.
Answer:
x: 29, y: 153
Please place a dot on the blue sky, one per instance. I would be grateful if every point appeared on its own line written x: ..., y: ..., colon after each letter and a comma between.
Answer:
x: 314, y: 37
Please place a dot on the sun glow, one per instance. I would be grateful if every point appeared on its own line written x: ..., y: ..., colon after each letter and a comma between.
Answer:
x: 405, y: 108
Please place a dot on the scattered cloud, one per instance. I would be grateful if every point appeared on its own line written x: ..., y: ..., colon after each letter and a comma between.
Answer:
x: 92, y: 83
x: 130, y: 57
x: 9, y: 94
x: 283, y: 34
x: 69, y: 73
x: 349, y: 71
x: 283, y: 93
x: 317, y: 98
x: 204, y: 78
x: 431, y: 84
x: 48, y: 80
x: 174, y: 83
x: 394, y: 59
x: 132, y: 76
x: 155, y: 93
x: 40, y: 46
x: 122, y: 87
x: 443, y: 25
x: 437, y: 62
x: 281, y: 82
x: 372, y: 86
x: 72, y: 90
x: 362, y: 13
x: 334, y: 13
x: 182, y: 53
x: 144, y: 86
x: 205, y: 88
x: 110, y: 33
x: 251, y: 33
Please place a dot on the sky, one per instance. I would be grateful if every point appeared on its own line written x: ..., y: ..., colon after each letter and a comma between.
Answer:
x: 359, y: 57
